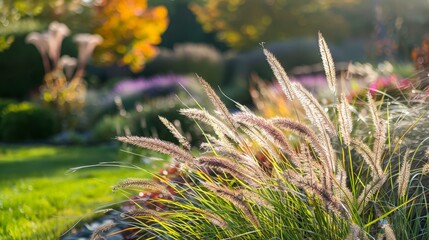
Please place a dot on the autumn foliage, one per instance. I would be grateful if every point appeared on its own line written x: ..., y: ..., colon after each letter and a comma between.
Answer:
x: 130, y: 31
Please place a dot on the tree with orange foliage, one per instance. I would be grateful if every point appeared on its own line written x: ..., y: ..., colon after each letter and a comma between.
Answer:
x: 130, y: 31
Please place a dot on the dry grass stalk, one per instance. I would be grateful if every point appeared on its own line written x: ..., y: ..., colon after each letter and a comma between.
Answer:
x: 369, y: 191
x: 340, y: 188
x: 141, y: 212
x: 254, y: 197
x: 355, y: 232
x: 218, y: 104
x: 225, y: 165
x: 231, y: 196
x: 328, y: 63
x: 182, y: 140
x: 159, y: 146
x: 404, y: 175
x: 97, y: 234
x: 388, y: 232
x: 213, y: 218
x: 303, y: 131
x: 368, y: 156
x: 141, y: 183
x: 314, y: 111
x: 218, y: 126
x: 345, y: 119
x: 231, y: 153
x: 318, y: 117
x: 321, y: 192
x: 309, y: 166
x: 380, y: 131
x: 103, y: 211
x: 270, y: 131
x: 425, y: 168
x: 264, y: 144
x: 280, y: 74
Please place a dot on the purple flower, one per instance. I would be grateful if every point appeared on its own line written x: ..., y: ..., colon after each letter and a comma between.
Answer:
x: 150, y: 85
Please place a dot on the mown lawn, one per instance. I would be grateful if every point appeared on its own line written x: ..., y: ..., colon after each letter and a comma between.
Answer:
x: 40, y: 199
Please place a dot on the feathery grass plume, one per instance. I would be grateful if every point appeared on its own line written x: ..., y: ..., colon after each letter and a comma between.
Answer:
x: 340, y: 188
x: 141, y: 183
x: 380, y: 131
x: 345, y: 119
x: 141, y: 212
x: 380, y: 236
x: 213, y: 218
x: 368, y: 156
x: 254, y: 197
x: 270, y: 131
x: 369, y: 191
x: 313, y: 109
x: 97, y: 234
x: 231, y: 196
x: 182, y: 140
x: 331, y: 201
x: 103, y: 211
x: 218, y: 104
x: 309, y: 166
x: 302, y: 131
x: 231, y: 153
x: 425, y: 168
x: 354, y: 233
x: 404, y: 175
x: 218, y: 126
x: 238, y: 171
x: 328, y: 63
x: 280, y: 74
x: 264, y: 144
x: 379, y: 142
x: 388, y: 232
x: 320, y: 119
x: 159, y: 146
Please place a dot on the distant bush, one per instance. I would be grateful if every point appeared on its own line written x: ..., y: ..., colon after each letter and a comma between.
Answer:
x: 26, y: 121
x: 190, y: 58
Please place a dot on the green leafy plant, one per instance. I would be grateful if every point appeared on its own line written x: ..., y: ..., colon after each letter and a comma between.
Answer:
x: 259, y: 178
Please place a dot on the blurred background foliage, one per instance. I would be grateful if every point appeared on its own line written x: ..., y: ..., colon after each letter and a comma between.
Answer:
x: 236, y: 23
x: 216, y: 39
x: 130, y: 30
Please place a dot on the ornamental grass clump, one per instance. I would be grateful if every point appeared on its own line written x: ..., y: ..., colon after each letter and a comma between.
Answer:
x: 309, y: 177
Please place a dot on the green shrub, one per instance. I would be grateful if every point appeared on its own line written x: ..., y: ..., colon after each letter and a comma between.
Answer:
x: 26, y: 121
